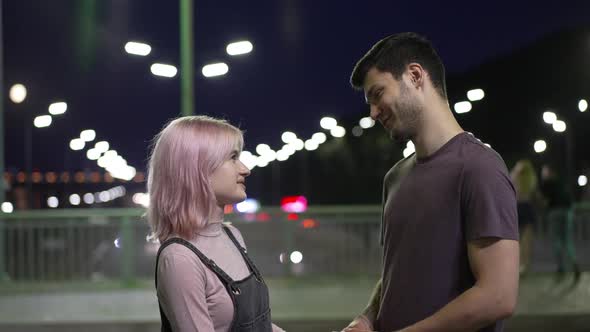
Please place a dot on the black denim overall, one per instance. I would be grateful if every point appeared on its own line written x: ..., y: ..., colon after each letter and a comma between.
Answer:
x: 249, y: 295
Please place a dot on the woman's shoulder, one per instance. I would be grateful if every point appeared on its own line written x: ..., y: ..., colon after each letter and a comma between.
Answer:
x: 178, y: 255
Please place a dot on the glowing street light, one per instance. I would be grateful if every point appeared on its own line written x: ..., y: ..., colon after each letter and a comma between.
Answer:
x: 410, y: 148
x: 582, y: 180
x: 137, y: 48
x: 583, y: 105
x: 17, y: 93
x: 42, y: 121
x: 366, y: 122
x: 475, y: 94
x: 262, y: 148
x: 7, y: 207
x: 52, y: 202
x: 88, y: 135
x: 549, y: 117
x: 462, y: 107
x: 101, y: 146
x: 241, y: 47
x: 58, y: 108
x: 559, y: 126
x: 288, y: 137
x: 164, y: 70
x: 328, y: 123
x: 311, y: 145
x: 296, y: 257
x: 540, y: 146
x: 298, y: 144
x: 319, y: 138
x: 215, y: 69
x: 338, y: 131
x: 282, y: 155
x: 77, y: 144
x: 75, y: 199
x: 93, y: 154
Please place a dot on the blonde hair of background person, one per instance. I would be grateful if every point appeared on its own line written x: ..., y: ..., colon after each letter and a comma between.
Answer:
x: 205, y: 280
x: 525, y: 181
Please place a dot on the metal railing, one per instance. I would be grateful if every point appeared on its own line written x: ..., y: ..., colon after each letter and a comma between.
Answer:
x: 95, y: 244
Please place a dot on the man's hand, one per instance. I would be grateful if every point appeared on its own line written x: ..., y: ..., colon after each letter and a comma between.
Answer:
x: 359, y: 324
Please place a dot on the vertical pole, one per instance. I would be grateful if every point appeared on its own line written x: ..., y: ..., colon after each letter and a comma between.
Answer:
x: 186, y: 58
x: 3, y: 275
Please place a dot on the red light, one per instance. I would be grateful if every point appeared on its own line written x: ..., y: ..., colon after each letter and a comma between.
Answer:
x: 263, y: 216
x: 80, y: 177
x: 21, y: 177
x: 294, y: 204
x: 50, y: 177
x: 309, y: 223
x: 292, y: 216
x: 228, y: 209
x: 65, y: 177
x: 37, y: 177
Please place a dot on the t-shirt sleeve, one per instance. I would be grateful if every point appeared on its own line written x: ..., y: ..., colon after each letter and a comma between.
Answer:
x: 383, y: 200
x: 488, y: 200
x: 181, y: 291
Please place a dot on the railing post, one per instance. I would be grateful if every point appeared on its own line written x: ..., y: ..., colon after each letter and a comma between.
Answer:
x: 3, y: 272
x: 128, y: 247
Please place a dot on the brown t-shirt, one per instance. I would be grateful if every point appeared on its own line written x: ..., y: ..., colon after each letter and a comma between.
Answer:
x: 431, y: 208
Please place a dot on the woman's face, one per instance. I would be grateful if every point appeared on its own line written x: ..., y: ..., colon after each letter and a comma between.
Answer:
x: 229, y: 180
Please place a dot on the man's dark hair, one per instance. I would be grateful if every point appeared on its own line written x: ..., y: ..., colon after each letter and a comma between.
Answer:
x: 392, y: 54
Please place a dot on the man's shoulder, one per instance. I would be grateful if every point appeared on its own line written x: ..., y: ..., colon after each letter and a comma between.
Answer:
x: 479, y: 158
x: 400, y: 168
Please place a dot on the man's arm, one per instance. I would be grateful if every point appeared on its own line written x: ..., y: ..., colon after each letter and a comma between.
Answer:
x: 494, y: 263
x: 366, y: 320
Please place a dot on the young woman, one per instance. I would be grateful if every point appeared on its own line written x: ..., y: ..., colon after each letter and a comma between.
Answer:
x: 205, y: 280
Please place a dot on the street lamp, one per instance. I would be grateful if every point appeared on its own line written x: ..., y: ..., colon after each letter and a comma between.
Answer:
x: 549, y: 117
x: 164, y: 70
x: 58, y: 108
x: 17, y: 93
x: 559, y: 126
x: 582, y: 105
x: 462, y: 107
x: 540, y: 146
x: 475, y: 94
x: 241, y: 47
x: 215, y: 69
x: 137, y: 48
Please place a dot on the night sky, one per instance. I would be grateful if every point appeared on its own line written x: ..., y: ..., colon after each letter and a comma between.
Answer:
x: 298, y: 72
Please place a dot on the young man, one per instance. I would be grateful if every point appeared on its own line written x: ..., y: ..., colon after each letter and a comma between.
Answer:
x: 449, y: 226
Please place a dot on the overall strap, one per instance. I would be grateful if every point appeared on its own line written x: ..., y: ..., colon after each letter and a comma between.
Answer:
x: 208, y: 262
x: 242, y: 250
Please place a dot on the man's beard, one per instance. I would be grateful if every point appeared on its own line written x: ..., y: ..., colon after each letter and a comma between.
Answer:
x: 408, y: 116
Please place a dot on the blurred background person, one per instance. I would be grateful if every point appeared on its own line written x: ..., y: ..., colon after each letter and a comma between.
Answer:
x: 557, y: 201
x: 525, y: 182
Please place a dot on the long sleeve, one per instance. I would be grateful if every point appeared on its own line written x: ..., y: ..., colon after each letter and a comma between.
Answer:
x: 277, y: 329
x: 181, y: 291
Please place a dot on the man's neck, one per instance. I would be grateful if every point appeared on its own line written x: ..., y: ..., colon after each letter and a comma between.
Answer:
x: 438, y: 127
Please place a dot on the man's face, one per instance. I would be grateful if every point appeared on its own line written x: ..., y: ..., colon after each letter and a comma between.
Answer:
x: 393, y: 104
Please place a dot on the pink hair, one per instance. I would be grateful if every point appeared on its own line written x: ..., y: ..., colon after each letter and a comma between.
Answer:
x: 185, y: 154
